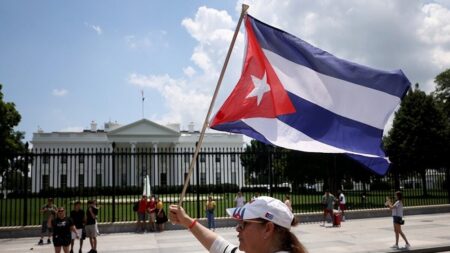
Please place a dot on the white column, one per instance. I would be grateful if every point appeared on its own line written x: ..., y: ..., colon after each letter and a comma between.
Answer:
x: 35, y: 178
x: 104, y: 174
x: 155, y: 170
x: 132, y: 180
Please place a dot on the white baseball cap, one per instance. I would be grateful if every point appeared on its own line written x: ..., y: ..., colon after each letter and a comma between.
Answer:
x: 266, y: 208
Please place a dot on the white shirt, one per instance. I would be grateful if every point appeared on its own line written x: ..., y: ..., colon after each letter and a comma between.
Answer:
x: 342, y: 198
x: 220, y: 245
x: 239, y: 201
x: 398, y: 209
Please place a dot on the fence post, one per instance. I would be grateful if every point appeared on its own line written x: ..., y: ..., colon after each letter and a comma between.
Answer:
x: 198, y: 185
x: 448, y: 184
x: 113, y: 167
x: 270, y: 165
x: 25, y: 187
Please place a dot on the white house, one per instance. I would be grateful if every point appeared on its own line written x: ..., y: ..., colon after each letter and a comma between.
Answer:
x: 85, y: 159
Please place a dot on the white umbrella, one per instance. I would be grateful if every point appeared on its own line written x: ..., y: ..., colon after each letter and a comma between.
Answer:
x: 147, y: 187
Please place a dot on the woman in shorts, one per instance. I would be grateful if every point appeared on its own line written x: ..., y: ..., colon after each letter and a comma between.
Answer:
x: 397, y: 216
x: 63, y: 228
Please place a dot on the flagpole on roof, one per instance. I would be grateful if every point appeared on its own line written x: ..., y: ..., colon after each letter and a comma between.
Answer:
x: 216, y: 91
x: 143, y: 98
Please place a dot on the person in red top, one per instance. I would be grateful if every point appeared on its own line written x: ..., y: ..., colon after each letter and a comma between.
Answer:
x: 142, y: 210
x: 151, y: 209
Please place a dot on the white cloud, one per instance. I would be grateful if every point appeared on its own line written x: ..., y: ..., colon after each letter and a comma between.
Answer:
x: 147, y: 41
x: 183, y: 101
x: 137, y: 43
x: 385, y: 34
x: 410, y: 35
x: 59, y: 92
x: 435, y: 26
x: 208, y: 24
x: 188, y: 98
x: 189, y: 71
x: 96, y: 28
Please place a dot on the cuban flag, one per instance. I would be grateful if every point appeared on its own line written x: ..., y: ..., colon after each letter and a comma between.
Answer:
x: 294, y: 95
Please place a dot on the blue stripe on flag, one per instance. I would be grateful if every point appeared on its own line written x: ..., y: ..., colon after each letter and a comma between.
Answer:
x: 300, y: 52
x: 377, y: 164
x: 332, y: 129
x: 240, y: 127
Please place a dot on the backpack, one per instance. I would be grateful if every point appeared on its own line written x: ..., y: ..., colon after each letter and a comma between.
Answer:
x: 136, y: 206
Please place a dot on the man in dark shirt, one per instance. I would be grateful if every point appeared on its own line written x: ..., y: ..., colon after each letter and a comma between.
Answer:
x: 78, y: 218
x: 91, y: 225
x: 62, y: 228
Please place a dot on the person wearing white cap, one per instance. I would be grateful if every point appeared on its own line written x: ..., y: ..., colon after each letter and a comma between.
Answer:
x: 263, y: 227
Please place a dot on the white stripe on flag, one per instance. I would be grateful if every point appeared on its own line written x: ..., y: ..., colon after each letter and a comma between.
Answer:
x: 353, y: 101
x: 283, y: 135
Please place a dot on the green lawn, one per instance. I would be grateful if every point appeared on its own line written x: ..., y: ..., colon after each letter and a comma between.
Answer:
x: 12, y: 211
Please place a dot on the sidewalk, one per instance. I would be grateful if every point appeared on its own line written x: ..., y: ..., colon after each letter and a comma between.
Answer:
x: 426, y: 233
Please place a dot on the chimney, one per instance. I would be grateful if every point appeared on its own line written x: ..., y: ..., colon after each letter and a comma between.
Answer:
x: 93, y: 126
x: 174, y: 126
x: 191, y: 127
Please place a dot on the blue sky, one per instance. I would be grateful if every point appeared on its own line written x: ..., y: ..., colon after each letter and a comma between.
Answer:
x: 66, y: 63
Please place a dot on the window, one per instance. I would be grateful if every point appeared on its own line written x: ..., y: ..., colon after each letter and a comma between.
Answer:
x: 218, y: 177
x: 45, y: 158
x: 187, y: 158
x: 163, y: 178
x: 202, y: 158
x: 63, y: 158
x: 233, y: 177
x: 98, y: 180
x: 63, y: 181
x: 45, y: 182
x: 233, y: 158
x: 124, y: 179
x: 203, y: 178
x: 81, y: 180
x: 81, y: 158
x: 98, y: 158
x: 185, y: 176
x: 217, y: 158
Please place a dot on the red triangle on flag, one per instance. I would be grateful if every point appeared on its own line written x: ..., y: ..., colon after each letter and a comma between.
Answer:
x: 250, y: 98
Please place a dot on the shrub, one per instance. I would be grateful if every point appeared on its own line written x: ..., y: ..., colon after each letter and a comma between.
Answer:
x: 380, y: 186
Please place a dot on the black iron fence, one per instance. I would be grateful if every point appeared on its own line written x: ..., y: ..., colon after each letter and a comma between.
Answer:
x: 115, y: 178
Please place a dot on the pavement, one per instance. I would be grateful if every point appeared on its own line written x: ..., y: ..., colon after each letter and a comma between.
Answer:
x: 426, y: 233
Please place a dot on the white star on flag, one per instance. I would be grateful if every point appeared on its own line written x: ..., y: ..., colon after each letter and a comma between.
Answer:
x: 261, y: 87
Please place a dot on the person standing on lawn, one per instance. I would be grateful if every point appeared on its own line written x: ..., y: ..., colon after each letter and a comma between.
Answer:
x: 79, y: 219
x: 341, y: 201
x: 48, y: 212
x: 327, y: 203
x: 91, y: 225
x: 152, y: 213
x: 397, y: 217
x: 63, y: 228
x: 142, y: 212
x: 210, y: 207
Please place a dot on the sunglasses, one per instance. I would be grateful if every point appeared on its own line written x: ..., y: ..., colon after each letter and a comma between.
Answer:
x: 60, y: 211
x: 242, y: 224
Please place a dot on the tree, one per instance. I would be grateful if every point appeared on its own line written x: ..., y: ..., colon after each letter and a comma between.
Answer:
x: 418, y: 136
x: 257, y: 160
x: 442, y: 93
x: 10, y: 140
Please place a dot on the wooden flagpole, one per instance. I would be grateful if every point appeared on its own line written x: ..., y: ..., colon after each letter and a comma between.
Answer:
x: 205, y: 123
